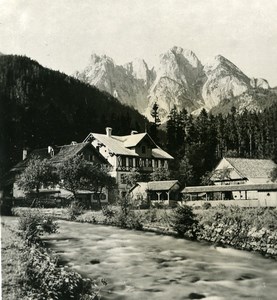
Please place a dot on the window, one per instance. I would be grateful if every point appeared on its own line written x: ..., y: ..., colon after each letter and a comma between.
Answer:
x: 137, y: 162
x: 91, y: 157
x: 123, y: 161
x: 130, y: 162
x: 103, y: 196
x: 143, y: 150
x: 123, y: 178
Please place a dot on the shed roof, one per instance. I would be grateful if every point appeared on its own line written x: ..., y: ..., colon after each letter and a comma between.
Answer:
x: 230, y: 188
x: 164, y: 185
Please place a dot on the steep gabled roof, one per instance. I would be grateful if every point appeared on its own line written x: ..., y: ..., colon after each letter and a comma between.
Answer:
x: 120, y: 145
x: 134, y: 139
x: 252, y: 168
x: 114, y: 143
x: 68, y: 151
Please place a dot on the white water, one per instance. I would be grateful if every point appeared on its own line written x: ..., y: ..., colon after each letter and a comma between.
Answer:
x: 139, y: 265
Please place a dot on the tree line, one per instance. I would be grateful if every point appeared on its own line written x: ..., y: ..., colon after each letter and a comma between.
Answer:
x: 199, y: 142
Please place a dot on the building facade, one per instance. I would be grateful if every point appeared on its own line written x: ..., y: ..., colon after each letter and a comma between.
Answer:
x: 136, y: 151
x: 232, y: 171
x: 56, y: 155
x: 165, y: 192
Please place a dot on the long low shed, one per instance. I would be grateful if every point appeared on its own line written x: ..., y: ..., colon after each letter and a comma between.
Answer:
x: 250, y: 195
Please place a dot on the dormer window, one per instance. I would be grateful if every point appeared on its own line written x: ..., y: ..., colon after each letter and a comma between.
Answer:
x: 143, y: 149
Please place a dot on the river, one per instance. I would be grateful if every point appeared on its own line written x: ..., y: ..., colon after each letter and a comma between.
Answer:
x: 141, y: 265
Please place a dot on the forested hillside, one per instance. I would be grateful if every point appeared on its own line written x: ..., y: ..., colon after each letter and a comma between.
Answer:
x: 40, y: 107
x: 198, y: 143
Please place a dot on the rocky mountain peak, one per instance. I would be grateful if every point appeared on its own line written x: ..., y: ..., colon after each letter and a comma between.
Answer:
x: 138, y: 69
x: 96, y: 59
x: 178, y: 80
x: 224, y: 81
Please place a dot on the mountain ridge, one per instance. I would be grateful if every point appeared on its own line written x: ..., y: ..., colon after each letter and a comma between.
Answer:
x: 180, y: 80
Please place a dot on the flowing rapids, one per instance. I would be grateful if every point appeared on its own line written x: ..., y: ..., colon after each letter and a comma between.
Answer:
x: 141, y: 265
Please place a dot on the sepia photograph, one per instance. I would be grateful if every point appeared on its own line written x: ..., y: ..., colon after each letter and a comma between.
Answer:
x: 138, y: 149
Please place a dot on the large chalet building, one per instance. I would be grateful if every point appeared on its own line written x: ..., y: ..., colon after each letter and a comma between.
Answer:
x: 136, y: 151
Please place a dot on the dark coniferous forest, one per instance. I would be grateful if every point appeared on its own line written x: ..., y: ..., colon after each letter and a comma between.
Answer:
x: 41, y: 107
x: 198, y: 143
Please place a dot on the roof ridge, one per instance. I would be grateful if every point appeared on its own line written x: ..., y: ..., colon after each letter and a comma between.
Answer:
x: 247, y: 158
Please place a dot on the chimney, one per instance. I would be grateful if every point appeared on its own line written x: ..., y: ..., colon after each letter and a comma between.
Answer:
x: 50, y: 151
x: 109, y: 131
x: 24, y: 154
x: 133, y: 132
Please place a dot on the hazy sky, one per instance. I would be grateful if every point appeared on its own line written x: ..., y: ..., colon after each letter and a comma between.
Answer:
x: 61, y: 34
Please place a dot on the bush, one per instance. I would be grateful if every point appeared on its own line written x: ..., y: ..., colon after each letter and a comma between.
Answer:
x: 33, y: 224
x: 74, y: 210
x: 184, y: 221
x: 109, y: 213
x: 242, y: 216
x: 159, y: 205
x: 206, y: 205
x: 151, y: 215
x: 49, y: 281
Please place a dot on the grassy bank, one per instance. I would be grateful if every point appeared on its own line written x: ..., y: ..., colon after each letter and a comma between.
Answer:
x: 12, y: 269
x: 30, y: 271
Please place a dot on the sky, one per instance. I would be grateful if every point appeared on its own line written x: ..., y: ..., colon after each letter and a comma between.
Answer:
x: 62, y: 34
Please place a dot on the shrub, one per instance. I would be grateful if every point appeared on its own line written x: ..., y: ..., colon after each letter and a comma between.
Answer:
x: 33, y: 224
x: 159, y: 205
x: 126, y: 216
x: 74, y: 210
x: 151, y: 215
x: 184, y: 221
x: 206, y: 205
x: 109, y: 213
x: 47, y: 280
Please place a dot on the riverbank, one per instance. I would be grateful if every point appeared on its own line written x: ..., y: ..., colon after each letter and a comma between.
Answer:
x: 250, y: 229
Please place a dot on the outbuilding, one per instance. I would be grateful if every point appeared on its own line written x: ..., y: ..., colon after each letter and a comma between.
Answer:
x: 166, y: 192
